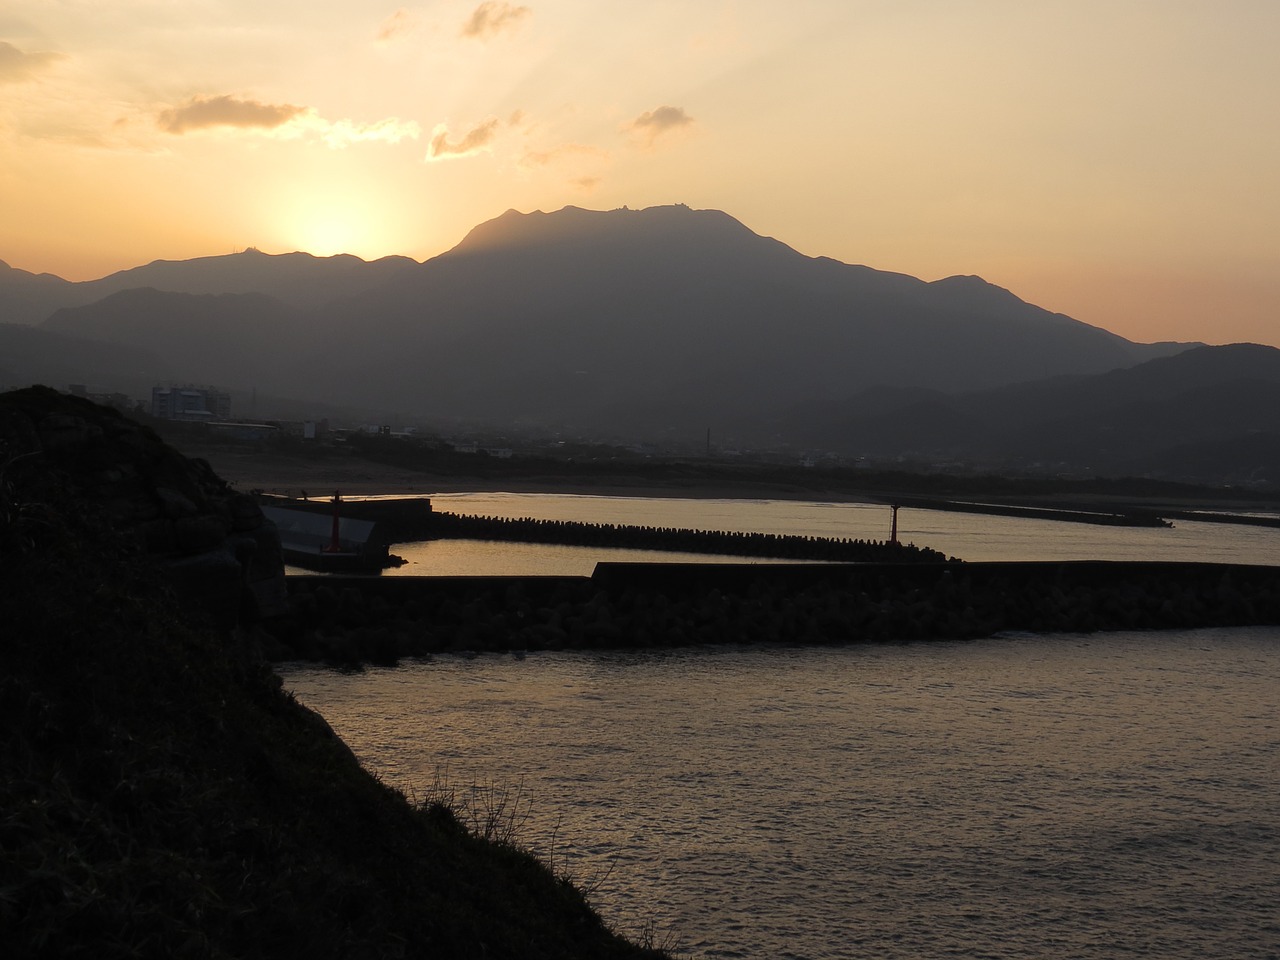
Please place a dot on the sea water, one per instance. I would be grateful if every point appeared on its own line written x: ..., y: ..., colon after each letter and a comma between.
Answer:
x: 964, y: 535
x: 1059, y: 796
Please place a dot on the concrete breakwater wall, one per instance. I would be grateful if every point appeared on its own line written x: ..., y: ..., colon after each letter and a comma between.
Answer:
x: 352, y: 620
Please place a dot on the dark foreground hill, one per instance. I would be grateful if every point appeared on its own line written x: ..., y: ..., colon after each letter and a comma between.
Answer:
x: 160, y: 794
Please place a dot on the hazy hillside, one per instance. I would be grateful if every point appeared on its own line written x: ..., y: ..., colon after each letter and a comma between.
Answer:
x: 234, y: 340
x: 628, y: 323
x: 31, y: 355
x: 296, y: 279
x: 1209, y: 412
x: 671, y: 319
x: 30, y: 297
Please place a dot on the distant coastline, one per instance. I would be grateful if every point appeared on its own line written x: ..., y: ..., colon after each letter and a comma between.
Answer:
x: 292, y: 476
x: 318, y: 478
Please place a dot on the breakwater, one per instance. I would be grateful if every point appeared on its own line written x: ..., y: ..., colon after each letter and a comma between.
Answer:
x: 633, y: 605
x: 1131, y: 517
x: 675, y: 539
x: 402, y: 520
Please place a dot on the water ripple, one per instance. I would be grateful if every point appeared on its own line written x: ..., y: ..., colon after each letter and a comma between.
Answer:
x: 1019, y: 797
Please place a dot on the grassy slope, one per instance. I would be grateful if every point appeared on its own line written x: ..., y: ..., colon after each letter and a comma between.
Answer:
x: 160, y: 794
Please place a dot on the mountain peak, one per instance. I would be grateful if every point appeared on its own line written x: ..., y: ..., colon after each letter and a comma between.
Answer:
x: 570, y: 224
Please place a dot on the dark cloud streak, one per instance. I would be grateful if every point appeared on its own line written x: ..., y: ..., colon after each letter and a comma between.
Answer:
x: 475, y: 140
x: 491, y: 17
x: 652, y: 124
x: 202, y: 112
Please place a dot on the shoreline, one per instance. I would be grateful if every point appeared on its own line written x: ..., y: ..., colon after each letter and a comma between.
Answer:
x: 282, y: 475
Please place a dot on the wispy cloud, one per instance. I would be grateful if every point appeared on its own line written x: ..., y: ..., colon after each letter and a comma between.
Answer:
x: 492, y: 17
x: 285, y: 121
x: 473, y: 141
x: 396, y: 25
x: 652, y: 124
x: 17, y: 66
x: 199, y: 113
x: 343, y: 133
x: 564, y: 152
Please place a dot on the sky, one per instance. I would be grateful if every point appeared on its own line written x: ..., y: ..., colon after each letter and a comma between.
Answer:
x: 1116, y: 161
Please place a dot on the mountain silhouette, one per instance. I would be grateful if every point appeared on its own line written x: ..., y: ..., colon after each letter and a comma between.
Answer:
x: 652, y: 323
x: 296, y: 279
x: 30, y: 297
x: 233, y: 338
x: 668, y: 318
x: 32, y: 355
x: 1204, y: 413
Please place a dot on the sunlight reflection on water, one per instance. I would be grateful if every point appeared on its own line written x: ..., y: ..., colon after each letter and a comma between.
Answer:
x: 967, y: 536
x: 1062, y: 796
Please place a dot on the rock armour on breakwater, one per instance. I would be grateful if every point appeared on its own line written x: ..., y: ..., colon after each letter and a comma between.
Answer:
x: 728, y: 543
x: 402, y: 520
x: 349, y: 620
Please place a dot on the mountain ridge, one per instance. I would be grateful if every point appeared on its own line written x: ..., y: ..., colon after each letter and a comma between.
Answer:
x: 652, y: 323
x: 1128, y: 421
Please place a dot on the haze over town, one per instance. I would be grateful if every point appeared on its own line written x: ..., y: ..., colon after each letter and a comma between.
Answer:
x: 1111, y: 161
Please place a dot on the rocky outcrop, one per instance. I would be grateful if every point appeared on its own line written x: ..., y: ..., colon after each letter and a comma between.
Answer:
x: 66, y: 453
x: 161, y: 794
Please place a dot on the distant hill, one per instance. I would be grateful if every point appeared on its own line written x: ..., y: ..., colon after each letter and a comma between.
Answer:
x: 32, y: 355
x: 296, y: 279
x: 1209, y: 413
x: 30, y: 297
x: 671, y: 319
x: 232, y: 339
x: 627, y: 324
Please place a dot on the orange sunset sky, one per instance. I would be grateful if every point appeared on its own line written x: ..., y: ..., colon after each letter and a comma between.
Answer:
x: 1117, y: 161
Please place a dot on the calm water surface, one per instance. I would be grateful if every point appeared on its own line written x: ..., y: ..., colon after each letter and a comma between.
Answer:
x: 1065, y: 796
x: 967, y: 536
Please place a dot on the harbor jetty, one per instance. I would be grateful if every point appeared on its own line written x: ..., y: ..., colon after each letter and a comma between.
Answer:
x: 348, y: 620
x: 369, y: 527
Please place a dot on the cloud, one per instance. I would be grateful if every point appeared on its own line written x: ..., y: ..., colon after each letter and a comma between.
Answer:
x: 564, y: 152
x: 17, y: 66
x: 475, y: 140
x: 342, y: 133
x: 652, y: 124
x: 201, y: 112
x: 491, y: 17
x: 283, y: 121
x: 400, y: 22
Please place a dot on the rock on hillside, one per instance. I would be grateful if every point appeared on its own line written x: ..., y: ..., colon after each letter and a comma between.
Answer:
x: 217, y: 546
x: 160, y: 794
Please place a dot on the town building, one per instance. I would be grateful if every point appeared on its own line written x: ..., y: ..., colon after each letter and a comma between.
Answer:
x: 190, y: 403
